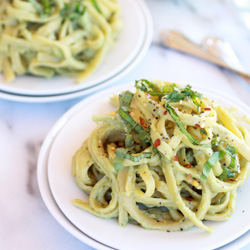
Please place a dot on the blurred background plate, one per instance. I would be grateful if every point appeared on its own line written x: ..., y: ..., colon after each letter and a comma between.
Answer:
x: 55, y: 98
x: 126, y: 49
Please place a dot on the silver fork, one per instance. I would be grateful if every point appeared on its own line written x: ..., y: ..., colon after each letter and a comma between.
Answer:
x: 214, y: 50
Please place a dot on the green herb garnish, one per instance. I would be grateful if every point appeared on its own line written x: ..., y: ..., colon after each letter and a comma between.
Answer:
x: 124, y: 103
x: 37, y: 6
x: 177, y: 95
x: 96, y: 6
x: 217, y: 156
x: 180, y: 124
x: 227, y: 171
x: 44, y: 9
x: 118, y: 165
x: 121, y: 154
x: 172, y: 93
x: 125, y: 100
x: 73, y: 10
x: 143, y: 135
x: 211, y: 162
x: 148, y: 87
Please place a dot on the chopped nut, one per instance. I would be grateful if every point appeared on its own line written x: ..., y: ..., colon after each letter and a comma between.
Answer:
x: 195, y: 183
x: 132, y: 114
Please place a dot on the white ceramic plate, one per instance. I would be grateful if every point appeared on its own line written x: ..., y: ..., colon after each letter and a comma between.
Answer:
x: 126, y: 70
x: 44, y: 187
x: 70, y: 131
x: 123, y: 52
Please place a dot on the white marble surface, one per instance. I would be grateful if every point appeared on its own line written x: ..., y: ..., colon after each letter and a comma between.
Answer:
x: 25, y: 221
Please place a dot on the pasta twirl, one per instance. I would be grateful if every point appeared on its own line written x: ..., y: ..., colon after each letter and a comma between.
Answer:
x: 50, y: 37
x: 167, y: 159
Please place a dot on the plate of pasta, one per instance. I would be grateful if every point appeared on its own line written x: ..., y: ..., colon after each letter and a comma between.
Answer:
x: 167, y: 158
x: 68, y: 46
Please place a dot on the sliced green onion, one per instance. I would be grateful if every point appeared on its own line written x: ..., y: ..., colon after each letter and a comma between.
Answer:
x: 215, y: 141
x: 121, y: 154
x: 190, y: 156
x: 96, y: 6
x: 223, y: 175
x: 73, y: 11
x: 203, y: 131
x: 188, y: 92
x: 169, y: 88
x: 197, y: 105
x: 173, y: 93
x: 232, y: 152
x: 118, y: 163
x: 143, y: 135
x: 227, y: 171
x: 125, y: 99
x: 180, y: 124
x: 148, y: 87
x: 37, y: 6
x: 144, y: 85
x: 128, y: 140
x: 210, y: 163
x: 46, y: 7
x: 175, y: 96
x: 155, y: 150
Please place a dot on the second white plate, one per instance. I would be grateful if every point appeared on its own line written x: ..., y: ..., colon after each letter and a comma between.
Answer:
x: 124, y: 51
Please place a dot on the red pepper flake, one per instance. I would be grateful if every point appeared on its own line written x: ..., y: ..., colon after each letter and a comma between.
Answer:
x: 148, y: 95
x: 188, y: 165
x: 141, y: 121
x: 157, y: 143
x: 145, y: 125
x: 207, y: 109
x: 165, y: 112
x: 188, y: 199
x: 197, y: 125
x: 175, y: 158
x: 231, y: 179
x: 189, y: 176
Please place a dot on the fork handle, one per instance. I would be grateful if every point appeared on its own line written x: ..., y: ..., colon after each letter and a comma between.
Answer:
x: 178, y: 41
